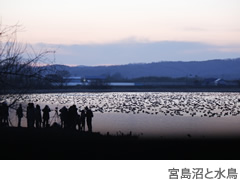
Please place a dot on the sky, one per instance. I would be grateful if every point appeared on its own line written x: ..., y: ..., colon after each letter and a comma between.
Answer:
x: 98, y: 32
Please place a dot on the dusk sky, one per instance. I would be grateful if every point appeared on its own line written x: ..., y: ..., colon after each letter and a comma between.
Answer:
x: 100, y: 32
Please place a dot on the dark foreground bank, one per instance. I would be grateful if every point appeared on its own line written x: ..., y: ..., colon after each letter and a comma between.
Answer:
x: 23, y: 143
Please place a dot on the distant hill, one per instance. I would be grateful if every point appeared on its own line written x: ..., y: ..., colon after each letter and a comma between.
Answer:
x: 226, y: 69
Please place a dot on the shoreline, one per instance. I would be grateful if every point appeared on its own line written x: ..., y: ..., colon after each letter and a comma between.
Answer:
x: 125, y: 89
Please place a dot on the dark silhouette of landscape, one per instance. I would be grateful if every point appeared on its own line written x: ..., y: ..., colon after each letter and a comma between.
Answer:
x: 219, y: 68
x: 55, y: 143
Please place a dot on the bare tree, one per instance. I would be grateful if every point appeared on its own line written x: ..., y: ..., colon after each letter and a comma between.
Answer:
x: 21, y: 67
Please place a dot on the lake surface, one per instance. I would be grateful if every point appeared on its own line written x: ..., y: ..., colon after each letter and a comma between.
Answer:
x: 150, y: 113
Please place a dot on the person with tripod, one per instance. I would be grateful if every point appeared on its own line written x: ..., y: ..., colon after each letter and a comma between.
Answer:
x: 55, y: 119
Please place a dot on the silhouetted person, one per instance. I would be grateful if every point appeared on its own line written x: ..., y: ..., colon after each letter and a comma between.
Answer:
x: 46, y: 111
x: 72, y: 116
x: 89, y: 115
x: 63, y: 116
x: 38, y: 116
x: 5, y: 113
x: 19, y: 113
x: 1, y: 114
x: 82, y: 118
x: 30, y: 115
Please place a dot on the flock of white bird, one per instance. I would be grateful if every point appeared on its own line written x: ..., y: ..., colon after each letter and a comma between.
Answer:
x: 152, y: 103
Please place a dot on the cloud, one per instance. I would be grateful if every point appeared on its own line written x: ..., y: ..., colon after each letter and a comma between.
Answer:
x: 133, y: 39
x: 195, y: 29
x: 227, y: 49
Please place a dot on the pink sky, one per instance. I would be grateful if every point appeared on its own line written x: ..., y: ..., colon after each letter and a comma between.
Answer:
x: 106, y: 22
x: 93, y: 21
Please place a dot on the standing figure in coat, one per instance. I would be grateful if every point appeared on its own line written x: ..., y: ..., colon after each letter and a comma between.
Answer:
x: 38, y: 116
x: 19, y: 113
x: 46, y: 110
x: 30, y: 115
x: 82, y: 119
x: 89, y: 115
x: 63, y: 116
x: 72, y: 116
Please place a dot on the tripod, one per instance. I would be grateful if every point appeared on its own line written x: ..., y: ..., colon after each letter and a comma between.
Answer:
x: 55, y: 117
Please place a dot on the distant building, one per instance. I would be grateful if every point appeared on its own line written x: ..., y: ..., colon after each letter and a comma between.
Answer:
x: 166, y: 84
x: 209, y: 82
x: 73, y: 81
x: 83, y: 81
x: 221, y: 82
x: 94, y: 80
x: 218, y: 82
x: 122, y: 84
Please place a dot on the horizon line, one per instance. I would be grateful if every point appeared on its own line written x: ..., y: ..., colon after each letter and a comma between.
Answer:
x: 163, y: 61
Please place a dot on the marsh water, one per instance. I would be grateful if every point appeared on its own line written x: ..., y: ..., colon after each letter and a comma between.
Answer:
x: 160, y: 114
